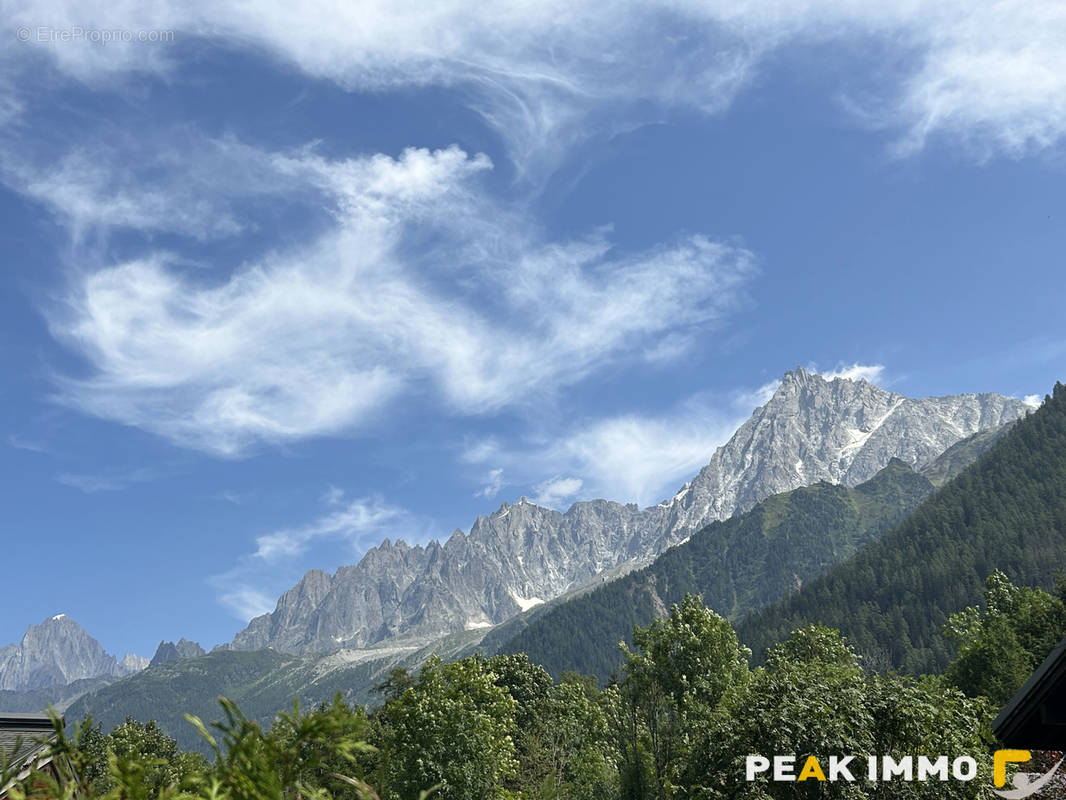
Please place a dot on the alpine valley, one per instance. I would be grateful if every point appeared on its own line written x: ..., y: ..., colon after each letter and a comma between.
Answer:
x: 819, y: 474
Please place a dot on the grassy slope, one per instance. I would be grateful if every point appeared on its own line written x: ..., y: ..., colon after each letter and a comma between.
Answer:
x: 261, y: 682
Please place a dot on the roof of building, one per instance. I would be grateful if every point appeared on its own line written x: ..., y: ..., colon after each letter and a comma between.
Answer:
x: 21, y: 735
x: 1035, y: 718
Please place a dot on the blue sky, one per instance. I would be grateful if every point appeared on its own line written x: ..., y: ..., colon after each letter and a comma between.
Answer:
x: 292, y: 282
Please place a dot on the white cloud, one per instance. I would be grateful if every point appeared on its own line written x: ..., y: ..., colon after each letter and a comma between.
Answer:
x: 316, y: 340
x: 479, y: 451
x: 343, y: 529
x: 234, y: 497
x: 190, y: 184
x: 89, y: 484
x: 247, y: 602
x: 640, y: 458
x: 22, y: 443
x: 493, y: 483
x: 872, y: 373
x: 362, y: 520
x: 106, y: 482
x: 88, y: 190
x: 1033, y: 400
x: 552, y: 492
x: 749, y: 400
x: 333, y: 496
x: 991, y: 75
x: 539, y: 73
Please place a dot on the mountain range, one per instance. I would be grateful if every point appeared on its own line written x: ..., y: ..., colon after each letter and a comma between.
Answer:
x: 738, y: 566
x: 811, y: 429
x: 903, y: 563
x: 400, y: 600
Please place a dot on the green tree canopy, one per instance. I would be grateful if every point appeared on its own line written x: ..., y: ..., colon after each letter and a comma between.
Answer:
x: 452, y: 730
x: 1002, y: 644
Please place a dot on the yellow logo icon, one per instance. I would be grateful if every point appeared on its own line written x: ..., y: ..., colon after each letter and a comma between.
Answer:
x: 1025, y: 784
x: 1004, y: 757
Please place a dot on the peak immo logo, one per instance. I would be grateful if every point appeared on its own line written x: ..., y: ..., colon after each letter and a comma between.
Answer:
x: 881, y: 769
x: 1026, y: 784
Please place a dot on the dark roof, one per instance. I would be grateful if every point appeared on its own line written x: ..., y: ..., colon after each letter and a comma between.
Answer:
x: 21, y: 735
x: 1035, y: 718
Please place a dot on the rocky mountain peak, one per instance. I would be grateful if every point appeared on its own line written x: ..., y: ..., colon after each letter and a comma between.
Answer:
x: 169, y: 651
x: 57, y: 652
x: 798, y: 377
x: 131, y: 664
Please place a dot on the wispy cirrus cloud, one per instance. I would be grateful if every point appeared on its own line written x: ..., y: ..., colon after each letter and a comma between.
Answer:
x: 118, y: 181
x: 111, y: 481
x: 414, y: 281
x: 493, y: 483
x: 89, y: 484
x: 635, y: 457
x: 350, y: 527
x: 555, y: 491
x: 642, y: 458
x: 991, y: 75
x: 235, y: 497
x: 357, y: 522
x: 20, y: 442
x: 247, y: 602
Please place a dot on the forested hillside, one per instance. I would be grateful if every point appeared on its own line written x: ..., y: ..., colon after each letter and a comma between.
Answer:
x: 167, y: 691
x: 1005, y: 512
x: 738, y: 566
x: 263, y: 682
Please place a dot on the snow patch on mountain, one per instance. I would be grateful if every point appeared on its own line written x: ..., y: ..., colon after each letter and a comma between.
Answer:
x: 526, y: 603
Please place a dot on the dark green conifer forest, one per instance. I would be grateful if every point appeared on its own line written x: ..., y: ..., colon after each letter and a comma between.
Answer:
x: 893, y: 598
x: 737, y: 566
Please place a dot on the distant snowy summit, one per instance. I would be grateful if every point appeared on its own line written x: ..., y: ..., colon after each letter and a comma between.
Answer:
x: 812, y: 429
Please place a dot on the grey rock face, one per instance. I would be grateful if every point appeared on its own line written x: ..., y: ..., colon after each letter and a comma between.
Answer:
x: 56, y: 653
x: 130, y: 664
x: 812, y: 429
x: 963, y: 453
x: 841, y: 431
x: 168, y: 651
